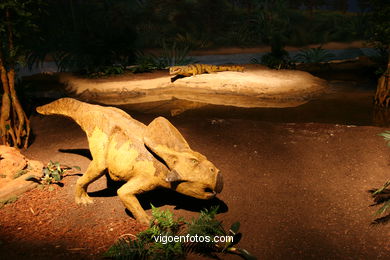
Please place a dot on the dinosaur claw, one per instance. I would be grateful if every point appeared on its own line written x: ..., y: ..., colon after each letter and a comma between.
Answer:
x: 83, y: 200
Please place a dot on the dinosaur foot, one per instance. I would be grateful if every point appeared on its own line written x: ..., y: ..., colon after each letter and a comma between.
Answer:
x: 83, y: 199
x: 145, y: 220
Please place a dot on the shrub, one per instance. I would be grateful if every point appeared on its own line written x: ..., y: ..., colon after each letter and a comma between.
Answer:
x: 279, y: 59
x: 86, y: 36
x: 381, y: 196
x: 171, y: 55
x: 53, y: 173
x: 149, y: 244
x: 313, y: 55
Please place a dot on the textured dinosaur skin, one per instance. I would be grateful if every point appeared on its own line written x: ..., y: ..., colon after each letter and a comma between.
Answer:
x: 194, y: 69
x: 146, y: 157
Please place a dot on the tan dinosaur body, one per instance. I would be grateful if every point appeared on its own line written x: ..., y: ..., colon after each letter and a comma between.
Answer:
x: 195, y: 69
x: 127, y: 149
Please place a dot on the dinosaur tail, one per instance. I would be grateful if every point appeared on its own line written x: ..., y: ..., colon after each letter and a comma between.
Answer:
x: 231, y: 68
x: 65, y: 106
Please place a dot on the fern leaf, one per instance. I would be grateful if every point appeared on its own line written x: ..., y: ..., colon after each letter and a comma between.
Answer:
x: 381, y: 220
x: 204, y: 249
x: 126, y: 248
x: 380, y: 190
x: 383, y: 209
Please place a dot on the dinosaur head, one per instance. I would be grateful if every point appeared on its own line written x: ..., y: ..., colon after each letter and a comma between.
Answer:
x: 62, y: 106
x: 190, y: 172
x: 175, y: 70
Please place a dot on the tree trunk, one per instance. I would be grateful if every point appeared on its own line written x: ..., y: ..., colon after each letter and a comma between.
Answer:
x: 14, y: 124
x: 382, y: 95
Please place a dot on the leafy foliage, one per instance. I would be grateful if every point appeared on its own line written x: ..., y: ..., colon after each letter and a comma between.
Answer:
x: 204, y: 24
x: 146, y: 244
x: 171, y: 55
x: 54, y: 172
x: 17, y: 26
x: 378, y: 33
x: 206, y: 224
x: 22, y: 19
x: 273, y: 23
x: 382, y: 195
x: 313, y: 55
x: 107, y: 71
x: 87, y: 36
x: 92, y: 36
x: 143, y: 247
x: 386, y: 136
x: 380, y: 57
x: 278, y: 59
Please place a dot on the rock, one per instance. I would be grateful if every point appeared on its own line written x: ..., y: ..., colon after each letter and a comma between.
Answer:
x: 11, y: 162
x: 14, y: 168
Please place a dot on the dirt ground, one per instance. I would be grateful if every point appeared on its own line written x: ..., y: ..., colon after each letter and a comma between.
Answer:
x: 299, y: 191
x: 296, y: 179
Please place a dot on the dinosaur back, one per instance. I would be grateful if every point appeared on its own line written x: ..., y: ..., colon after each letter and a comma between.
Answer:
x: 90, y: 117
x: 195, y: 69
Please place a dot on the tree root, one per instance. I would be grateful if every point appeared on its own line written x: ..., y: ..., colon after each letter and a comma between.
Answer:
x: 14, y: 124
x: 382, y: 95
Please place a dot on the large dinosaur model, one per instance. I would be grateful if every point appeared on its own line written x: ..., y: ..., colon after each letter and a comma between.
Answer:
x: 194, y: 69
x: 146, y: 157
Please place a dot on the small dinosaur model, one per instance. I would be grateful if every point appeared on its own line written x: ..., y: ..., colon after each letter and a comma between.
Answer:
x: 145, y: 157
x: 194, y: 69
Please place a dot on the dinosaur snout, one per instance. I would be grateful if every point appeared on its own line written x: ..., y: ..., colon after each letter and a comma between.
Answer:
x: 219, y: 183
x: 40, y: 110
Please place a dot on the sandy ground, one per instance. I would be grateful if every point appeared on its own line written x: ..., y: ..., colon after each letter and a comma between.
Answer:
x: 256, y: 86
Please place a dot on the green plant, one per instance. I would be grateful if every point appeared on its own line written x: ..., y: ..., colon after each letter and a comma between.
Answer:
x: 378, y: 36
x: 107, y: 71
x: 146, y: 63
x: 17, y: 26
x: 174, y: 54
x: 54, y: 172
x: 378, y: 29
x: 87, y: 37
x: 192, y: 41
x: 276, y: 60
x: 149, y: 244
x: 170, y: 56
x: 380, y: 57
x: 386, y: 136
x: 313, y: 55
x: 382, y: 195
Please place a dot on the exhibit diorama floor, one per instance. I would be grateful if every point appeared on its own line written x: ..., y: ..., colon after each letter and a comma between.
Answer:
x: 296, y: 179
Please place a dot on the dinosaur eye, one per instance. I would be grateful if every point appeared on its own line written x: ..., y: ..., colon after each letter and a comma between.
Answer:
x: 194, y: 161
x: 212, y: 170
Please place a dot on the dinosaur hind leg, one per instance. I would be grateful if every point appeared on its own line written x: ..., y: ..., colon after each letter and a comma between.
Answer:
x: 93, y: 173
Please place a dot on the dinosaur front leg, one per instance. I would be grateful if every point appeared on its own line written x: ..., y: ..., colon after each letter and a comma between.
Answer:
x: 94, y: 172
x: 127, y: 194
